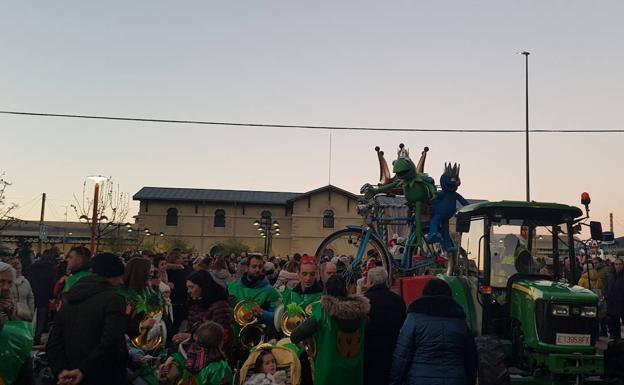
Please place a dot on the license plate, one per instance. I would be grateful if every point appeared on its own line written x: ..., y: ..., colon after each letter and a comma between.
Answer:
x: 573, y: 339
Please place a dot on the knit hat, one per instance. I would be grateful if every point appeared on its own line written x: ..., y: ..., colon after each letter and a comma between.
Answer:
x: 108, y: 265
x: 308, y: 260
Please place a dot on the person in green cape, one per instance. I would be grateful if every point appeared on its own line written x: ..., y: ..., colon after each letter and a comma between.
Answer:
x: 78, y: 266
x: 337, y: 326
x: 254, y: 286
x: 15, y: 336
x: 200, y: 360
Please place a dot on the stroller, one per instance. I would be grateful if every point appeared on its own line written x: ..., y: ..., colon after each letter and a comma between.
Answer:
x: 286, y: 358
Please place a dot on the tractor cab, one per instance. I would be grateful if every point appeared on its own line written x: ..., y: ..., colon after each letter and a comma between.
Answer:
x: 516, y: 279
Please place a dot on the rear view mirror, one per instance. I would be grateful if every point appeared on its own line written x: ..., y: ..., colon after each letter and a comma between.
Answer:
x: 462, y: 226
x: 596, y: 230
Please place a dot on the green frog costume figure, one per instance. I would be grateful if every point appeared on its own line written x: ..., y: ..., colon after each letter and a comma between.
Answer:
x: 409, y: 180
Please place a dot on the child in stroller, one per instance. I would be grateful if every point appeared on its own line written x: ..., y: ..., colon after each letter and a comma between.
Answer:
x: 270, y: 364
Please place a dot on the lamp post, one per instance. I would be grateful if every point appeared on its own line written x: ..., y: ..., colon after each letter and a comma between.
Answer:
x: 526, y: 118
x: 146, y: 232
x: 94, y: 219
x: 267, y: 231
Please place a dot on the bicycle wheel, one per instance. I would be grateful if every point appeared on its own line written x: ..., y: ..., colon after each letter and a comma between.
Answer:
x: 347, y: 242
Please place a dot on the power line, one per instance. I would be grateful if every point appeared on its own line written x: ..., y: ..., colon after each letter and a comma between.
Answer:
x: 300, y: 126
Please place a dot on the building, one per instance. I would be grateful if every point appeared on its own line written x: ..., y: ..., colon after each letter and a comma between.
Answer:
x: 204, y: 218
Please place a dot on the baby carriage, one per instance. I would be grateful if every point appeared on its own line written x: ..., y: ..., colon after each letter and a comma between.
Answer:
x: 286, y: 359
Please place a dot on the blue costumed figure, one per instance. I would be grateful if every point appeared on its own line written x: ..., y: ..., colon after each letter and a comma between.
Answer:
x: 444, y: 208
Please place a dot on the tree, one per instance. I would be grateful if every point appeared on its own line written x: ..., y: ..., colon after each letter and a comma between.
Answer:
x: 6, y: 209
x: 228, y: 247
x: 178, y: 243
x: 112, y: 210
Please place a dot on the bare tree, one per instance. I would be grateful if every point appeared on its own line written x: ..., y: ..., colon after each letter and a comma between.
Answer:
x: 112, y: 209
x: 6, y: 209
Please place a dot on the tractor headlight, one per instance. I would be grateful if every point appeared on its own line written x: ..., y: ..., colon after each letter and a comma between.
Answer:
x: 561, y: 310
x: 589, y: 311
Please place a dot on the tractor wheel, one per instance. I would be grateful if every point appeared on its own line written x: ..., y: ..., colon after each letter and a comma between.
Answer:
x: 492, y: 367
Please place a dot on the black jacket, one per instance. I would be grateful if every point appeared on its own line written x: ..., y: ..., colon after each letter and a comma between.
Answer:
x: 387, y: 313
x: 42, y: 277
x: 178, y: 278
x: 615, y: 294
x: 88, y: 333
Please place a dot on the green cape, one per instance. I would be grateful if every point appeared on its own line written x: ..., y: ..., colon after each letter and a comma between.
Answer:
x: 213, y: 374
x: 15, y: 345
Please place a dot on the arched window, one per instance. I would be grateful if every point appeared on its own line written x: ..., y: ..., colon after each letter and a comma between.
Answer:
x: 328, y: 219
x: 219, y: 218
x: 172, y: 217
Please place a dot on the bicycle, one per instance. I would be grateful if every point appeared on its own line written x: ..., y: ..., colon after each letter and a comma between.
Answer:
x: 370, y: 241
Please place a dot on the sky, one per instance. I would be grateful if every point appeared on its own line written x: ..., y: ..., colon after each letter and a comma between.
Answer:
x: 405, y: 64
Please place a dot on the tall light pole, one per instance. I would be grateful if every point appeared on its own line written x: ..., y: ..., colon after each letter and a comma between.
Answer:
x: 526, y: 117
x: 94, y: 219
x: 267, y: 231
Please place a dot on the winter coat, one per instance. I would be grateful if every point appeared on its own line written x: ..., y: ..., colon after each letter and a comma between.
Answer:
x: 286, y: 280
x: 337, y: 326
x: 88, y: 333
x: 178, y: 278
x: 594, y: 280
x: 24, y: 299
x: 387, y: 313
x: 435, y: 346
x: 219, y: 312
x: 615, y: 294
x: 221, y: 276
x: 42, y: 277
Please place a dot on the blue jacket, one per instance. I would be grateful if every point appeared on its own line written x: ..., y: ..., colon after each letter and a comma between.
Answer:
x: 435, y: 346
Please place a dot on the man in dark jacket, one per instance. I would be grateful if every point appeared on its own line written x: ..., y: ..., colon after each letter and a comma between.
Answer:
x: 435, y: 345
x: 87, y: 343
x: 615, y: 299
x: 387, y: 313
x: 42, y: 277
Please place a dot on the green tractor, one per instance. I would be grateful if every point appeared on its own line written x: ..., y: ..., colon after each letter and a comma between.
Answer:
x: 533, y: 324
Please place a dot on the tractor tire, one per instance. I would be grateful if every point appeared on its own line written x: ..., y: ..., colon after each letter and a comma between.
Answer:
x: 492, y: 367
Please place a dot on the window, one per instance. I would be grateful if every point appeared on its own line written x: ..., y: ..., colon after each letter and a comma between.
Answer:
x: 172, y: 217
x: 328, y: 219
x: 219, y: 218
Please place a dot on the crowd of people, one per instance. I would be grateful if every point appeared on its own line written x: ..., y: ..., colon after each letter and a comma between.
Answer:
x: 161, y: 319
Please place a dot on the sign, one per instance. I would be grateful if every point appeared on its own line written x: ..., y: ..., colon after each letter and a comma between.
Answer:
x: 573, y: 339
x: 43, y: 232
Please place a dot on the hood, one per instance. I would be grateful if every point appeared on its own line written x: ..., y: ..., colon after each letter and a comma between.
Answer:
x: 222, y: 274
x: 316, y: 288
x: 348, y: 312
x: 549, y: 290
x: 19, y: 280
x: 87, y: 287
x: 261, y: 283
x: 437, y: 306
x: 287, y: 275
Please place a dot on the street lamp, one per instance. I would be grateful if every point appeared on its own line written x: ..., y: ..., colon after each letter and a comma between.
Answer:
x: 526, y: 117
x: 98, y: 179
x: 267, y: 230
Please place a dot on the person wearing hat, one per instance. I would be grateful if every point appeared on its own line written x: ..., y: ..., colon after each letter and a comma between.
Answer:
x: 87, y: 343
x: 15, y: 365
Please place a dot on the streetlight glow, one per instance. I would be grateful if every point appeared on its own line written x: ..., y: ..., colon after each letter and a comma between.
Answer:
x: 97, y: 178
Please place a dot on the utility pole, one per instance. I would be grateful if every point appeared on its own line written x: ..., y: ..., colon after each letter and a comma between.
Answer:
x: 611, y: 222
x: 526, y: 131
x: 41, y: 224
